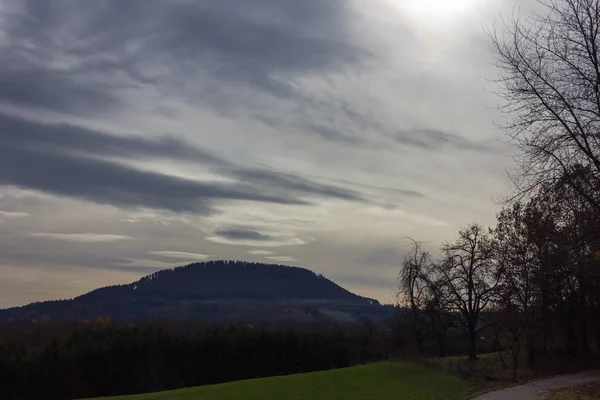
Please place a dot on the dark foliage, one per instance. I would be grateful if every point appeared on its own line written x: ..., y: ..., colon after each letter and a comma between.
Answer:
x: 104, y: 359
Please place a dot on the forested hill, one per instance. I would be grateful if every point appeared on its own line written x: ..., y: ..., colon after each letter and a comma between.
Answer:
x: 213, y: 290
x: 236, y: 280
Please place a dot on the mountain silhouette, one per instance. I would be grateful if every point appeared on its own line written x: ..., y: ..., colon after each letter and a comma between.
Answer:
x: 214, y: 290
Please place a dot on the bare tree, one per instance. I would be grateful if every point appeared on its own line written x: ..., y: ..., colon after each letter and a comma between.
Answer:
x: 550, y: 79
x: 471, y: 278
x: 412, y: 287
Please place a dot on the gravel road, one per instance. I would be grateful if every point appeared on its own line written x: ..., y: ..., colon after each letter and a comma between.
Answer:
x: 540, y: 389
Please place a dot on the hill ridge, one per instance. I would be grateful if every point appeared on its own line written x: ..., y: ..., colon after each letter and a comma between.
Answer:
x: 217, y: 289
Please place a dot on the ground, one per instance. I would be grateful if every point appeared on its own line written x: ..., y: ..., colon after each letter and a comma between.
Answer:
x: 544, y: 388
x: 381, y: 381
x: 590, y: 391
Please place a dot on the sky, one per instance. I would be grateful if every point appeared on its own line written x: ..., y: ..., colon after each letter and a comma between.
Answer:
x: 138, y: 135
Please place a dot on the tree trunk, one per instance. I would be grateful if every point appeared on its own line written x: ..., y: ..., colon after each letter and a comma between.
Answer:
x: 569, y: 330
x: 531, y: 350
x: 531, y: 356
x: 419, y: 340
x: 472, y: 345
x: 585, y: 345
x: 546, y: 336
x: 442, y: 345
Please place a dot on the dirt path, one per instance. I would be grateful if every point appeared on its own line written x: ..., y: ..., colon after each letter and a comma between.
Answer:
x: 537, y: 390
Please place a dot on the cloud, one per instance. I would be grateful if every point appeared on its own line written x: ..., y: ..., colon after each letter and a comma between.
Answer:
x: 329, y: 133
x: 260, y: 252
x: 420, y: 219
x: 43, y: 89
x: 251, y: 238
x: 385, y: 189
x: 281, y: 258
x: 9, y: 214
x: 51, y: 48
x: 115, y: 184
x: 81, y: 237
x: 61, y: 159
x: 287, y: 118
x: 346, y: 136
x: 296, y: 185
x: 242, y: 234
x: 431, y: 139
x: 143, y: 265
x: 63, y: 138
x: 180, y: 255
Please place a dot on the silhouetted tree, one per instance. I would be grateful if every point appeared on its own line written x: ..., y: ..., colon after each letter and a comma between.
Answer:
x: 546, y: 249
x: 521, y: 262
x: 438, y: 313
x: 550, y: 67
x: 412, y: 288
x: 470, y: 276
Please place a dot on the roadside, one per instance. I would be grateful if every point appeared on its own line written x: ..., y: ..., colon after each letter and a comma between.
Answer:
x: 588, y: 391
x: 541, y: 388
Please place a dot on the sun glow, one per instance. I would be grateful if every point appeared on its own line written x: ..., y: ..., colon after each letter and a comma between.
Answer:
x: 435, y: 10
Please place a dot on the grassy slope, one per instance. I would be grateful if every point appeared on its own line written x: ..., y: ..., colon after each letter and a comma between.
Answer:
x: 382, y: 381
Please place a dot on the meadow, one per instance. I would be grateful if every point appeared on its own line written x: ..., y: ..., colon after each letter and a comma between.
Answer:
x: 380, y: 381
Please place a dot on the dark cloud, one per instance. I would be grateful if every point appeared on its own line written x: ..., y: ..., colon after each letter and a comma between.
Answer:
x: 59, y: 91
x: 295, y: 185
x: 73, y: 140
x: 63, y: 160
x: 388, y: 189
x: 28, y: 160
x: 431, y: 139
x: 65, y: 138
x: 305, y: 127
x: 328, y: 133
x: 242, y: 234
x: 116, y: 184
x: 73, y: 56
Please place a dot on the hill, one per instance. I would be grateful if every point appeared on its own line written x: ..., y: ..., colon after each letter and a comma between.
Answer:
x: 214, y: 290
x: 376, y: 381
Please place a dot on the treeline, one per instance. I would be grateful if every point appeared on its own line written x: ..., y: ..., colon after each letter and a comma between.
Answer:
x: 534, y: 277
x: 533, y: 280
x: 104, y: 360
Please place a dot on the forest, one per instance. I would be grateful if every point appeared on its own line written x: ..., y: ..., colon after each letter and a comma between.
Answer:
x: 102, y: 358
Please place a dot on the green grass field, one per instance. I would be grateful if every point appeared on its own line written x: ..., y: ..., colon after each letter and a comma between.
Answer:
x: 381, y: 381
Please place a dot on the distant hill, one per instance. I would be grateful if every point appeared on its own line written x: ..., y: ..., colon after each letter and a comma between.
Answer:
x: 214, y: 290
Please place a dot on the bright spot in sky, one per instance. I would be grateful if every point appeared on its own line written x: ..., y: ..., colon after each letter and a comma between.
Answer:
x: 435, y: 10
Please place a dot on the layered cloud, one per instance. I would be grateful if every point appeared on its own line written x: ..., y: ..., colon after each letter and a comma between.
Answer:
x: 180, y: 255
x: 81, y: 237
x: 40, y: 156
x: 136, y: 135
